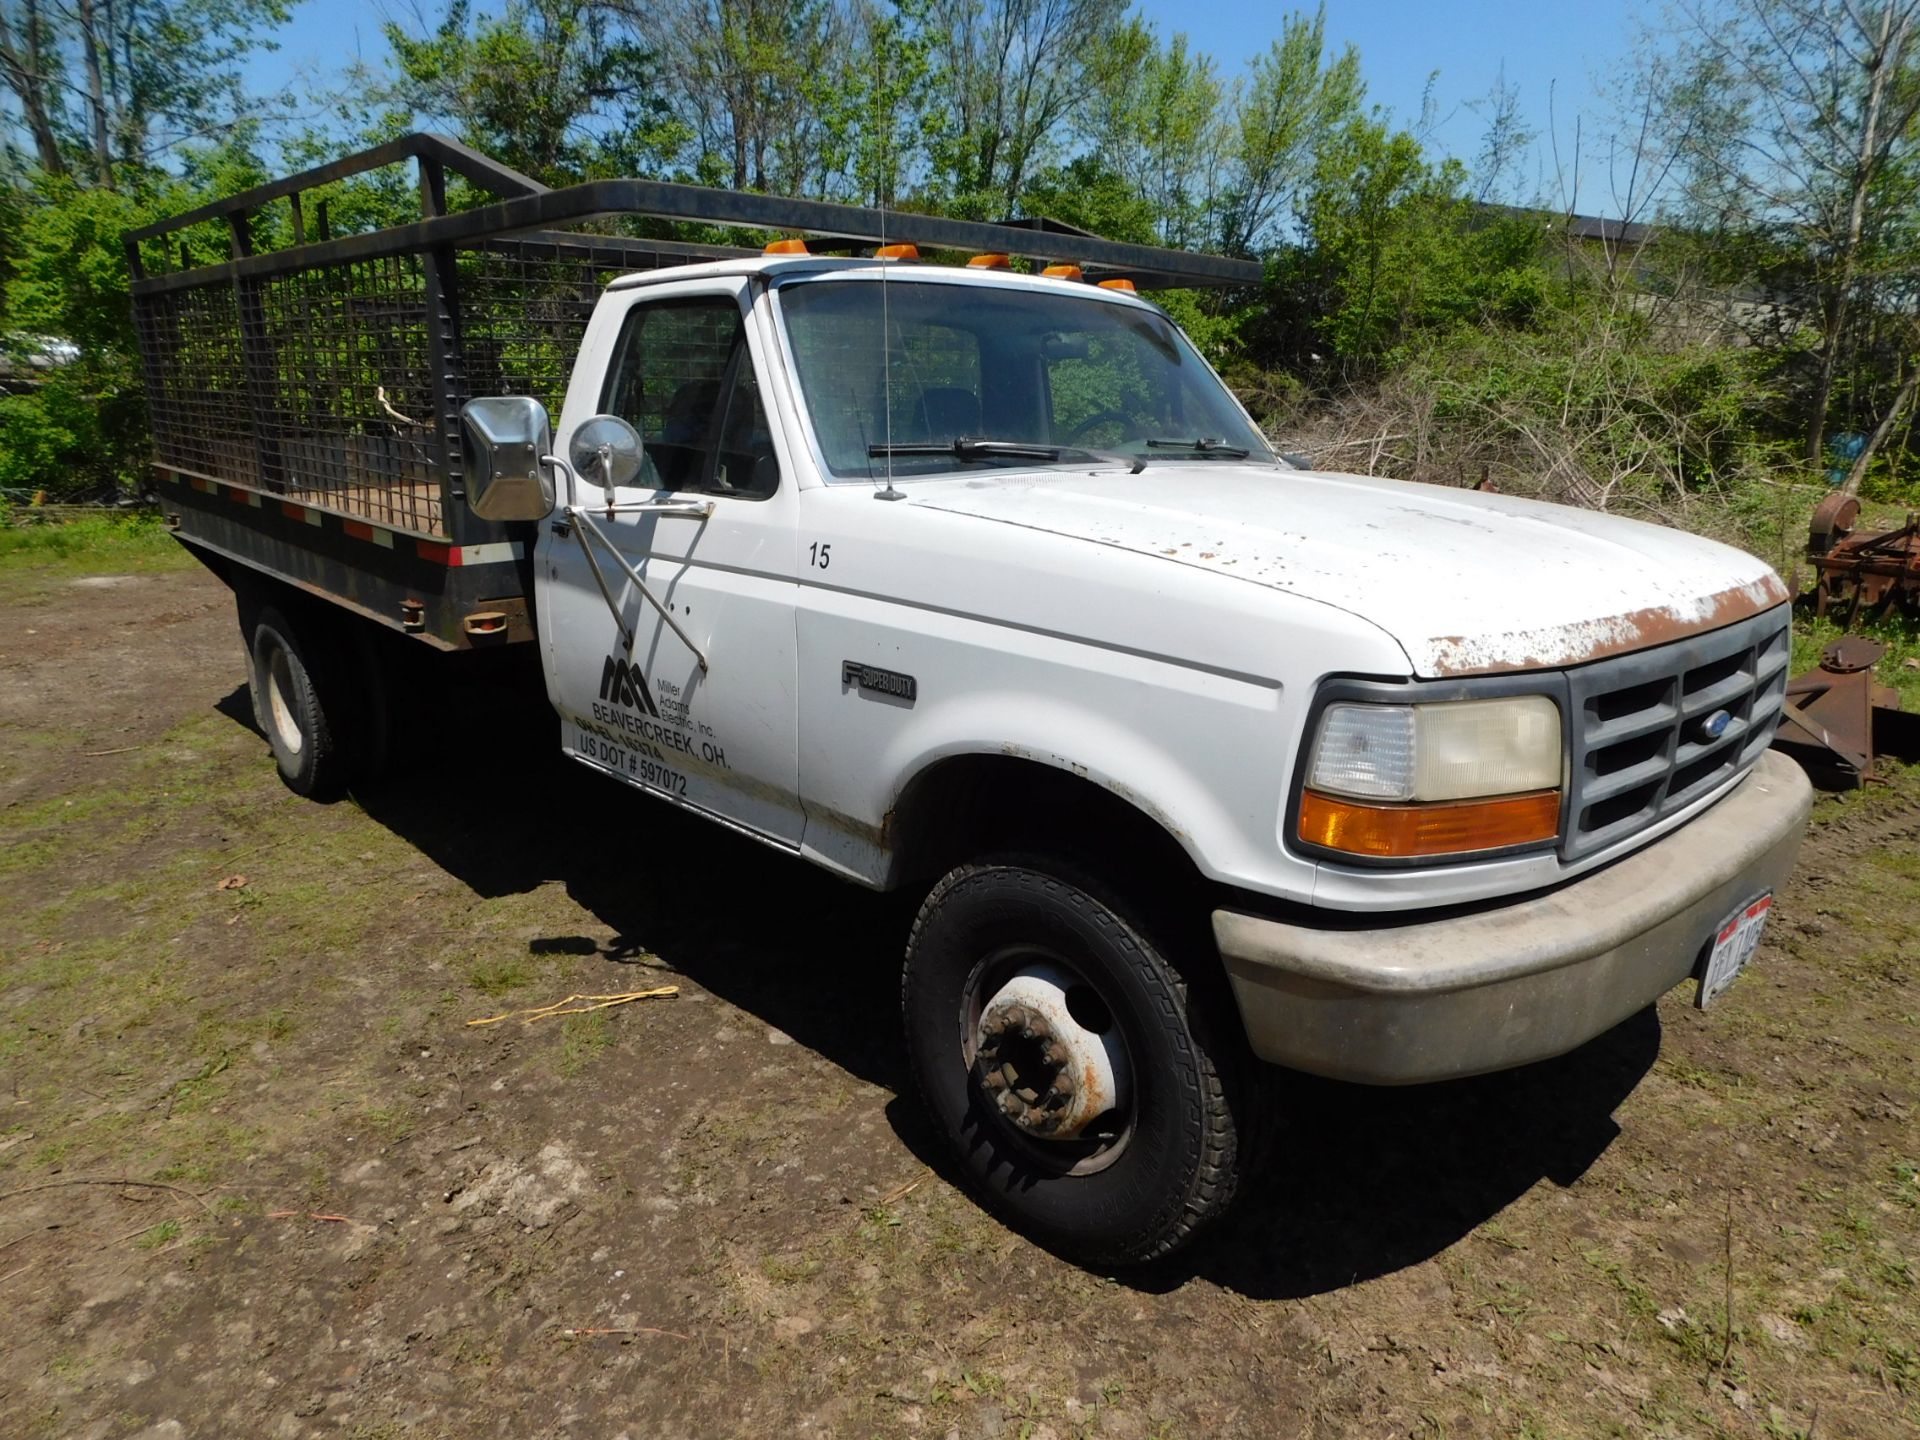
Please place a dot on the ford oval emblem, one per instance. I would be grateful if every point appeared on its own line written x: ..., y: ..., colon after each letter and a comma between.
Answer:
x: 1713, y: 726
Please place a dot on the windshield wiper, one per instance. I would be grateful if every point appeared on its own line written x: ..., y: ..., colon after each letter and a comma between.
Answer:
x: 1205, y: 445
x: 968, y: 447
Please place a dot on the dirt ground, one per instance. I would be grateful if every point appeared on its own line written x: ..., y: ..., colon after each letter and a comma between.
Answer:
x: 718, y: 1214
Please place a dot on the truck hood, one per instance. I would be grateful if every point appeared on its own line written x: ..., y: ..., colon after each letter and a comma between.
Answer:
x: 1467, y: 583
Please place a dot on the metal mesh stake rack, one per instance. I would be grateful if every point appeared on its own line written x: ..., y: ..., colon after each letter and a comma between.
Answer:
x: 329, y: 374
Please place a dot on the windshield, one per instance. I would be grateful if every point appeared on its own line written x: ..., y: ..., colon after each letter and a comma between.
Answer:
x: 1040, y: 378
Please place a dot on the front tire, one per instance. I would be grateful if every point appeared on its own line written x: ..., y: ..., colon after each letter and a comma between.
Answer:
x: 1010, y: 938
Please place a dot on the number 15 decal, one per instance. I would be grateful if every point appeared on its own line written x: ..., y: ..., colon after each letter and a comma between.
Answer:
x: 820, y: 556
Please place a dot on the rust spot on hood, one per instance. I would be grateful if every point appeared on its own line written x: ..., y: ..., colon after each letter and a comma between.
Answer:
x: 1554, y: 646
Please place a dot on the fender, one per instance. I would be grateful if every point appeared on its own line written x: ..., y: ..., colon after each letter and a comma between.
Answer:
x: 1152, y: 772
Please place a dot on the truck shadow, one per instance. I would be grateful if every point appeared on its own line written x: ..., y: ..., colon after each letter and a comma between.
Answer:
x: 1364, y: 1181
x: 1361, y: 1181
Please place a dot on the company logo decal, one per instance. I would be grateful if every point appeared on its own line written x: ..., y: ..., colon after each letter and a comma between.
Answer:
x: 625, y: 684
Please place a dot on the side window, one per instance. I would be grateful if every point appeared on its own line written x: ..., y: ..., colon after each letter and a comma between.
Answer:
x: 682, y: 376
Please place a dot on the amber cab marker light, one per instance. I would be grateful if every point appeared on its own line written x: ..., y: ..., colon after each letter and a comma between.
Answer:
x: 993, y: 260
x: 1063, y: 272
x: 786, y: 247
x: 897, y: 252
x: 1453, y: 828
x: 1126, y: 285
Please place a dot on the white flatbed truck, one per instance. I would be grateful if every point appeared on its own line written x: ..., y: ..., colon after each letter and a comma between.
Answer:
x: 980, y: 583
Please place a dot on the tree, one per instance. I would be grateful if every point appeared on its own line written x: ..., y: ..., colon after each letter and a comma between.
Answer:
x: 27, y: 61
x: 82, y: 430
x: 1797, y: 119
x: 1011, y: 74
x: 1295, y: 98
x: 558, y: 89
x: 1154, y: 119
x: 111, y: 86
x: 879, y: 113
x: 752, y: 80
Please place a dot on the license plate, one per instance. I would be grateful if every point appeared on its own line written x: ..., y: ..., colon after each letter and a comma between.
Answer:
x: 1733, y: 945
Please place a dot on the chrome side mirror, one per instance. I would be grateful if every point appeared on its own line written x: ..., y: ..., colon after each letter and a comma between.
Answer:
x: 606, y: 450
x: 502, y: 440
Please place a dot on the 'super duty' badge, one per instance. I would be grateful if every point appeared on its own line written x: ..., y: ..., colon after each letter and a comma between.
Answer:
x: 876, y: 681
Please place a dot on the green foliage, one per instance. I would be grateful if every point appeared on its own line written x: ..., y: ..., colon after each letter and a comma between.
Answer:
x: 556, y: 89
x: 1084, y: 192
x: 70, y: 270
x: 104, y: 542
x: 877, y: 118
x: 1297, y: 98
x: 1394, y: 251
x: 81, y: 432
x: 1507, y: 349
x: 1158, y: 124
x: 83, y: 429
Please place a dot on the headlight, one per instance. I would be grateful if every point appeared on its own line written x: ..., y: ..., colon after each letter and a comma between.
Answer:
x: 1436, y: 779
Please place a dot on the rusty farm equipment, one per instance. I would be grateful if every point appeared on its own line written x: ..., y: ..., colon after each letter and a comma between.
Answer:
x: 1836, y: 719
x: 1874, y: 571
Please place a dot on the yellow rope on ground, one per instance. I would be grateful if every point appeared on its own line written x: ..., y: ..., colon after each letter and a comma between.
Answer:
x: 559, y: 1007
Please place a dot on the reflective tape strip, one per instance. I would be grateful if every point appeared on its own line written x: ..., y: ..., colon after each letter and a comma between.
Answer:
x: 360, y: 530
x: 493, y: 553
x: 300, y: 512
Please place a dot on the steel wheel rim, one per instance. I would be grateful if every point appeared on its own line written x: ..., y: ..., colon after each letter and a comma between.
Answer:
x: 1090, y: 1153
x: 280, y: 714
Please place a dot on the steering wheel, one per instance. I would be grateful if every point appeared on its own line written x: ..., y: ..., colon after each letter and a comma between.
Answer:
x: 1099, y: 417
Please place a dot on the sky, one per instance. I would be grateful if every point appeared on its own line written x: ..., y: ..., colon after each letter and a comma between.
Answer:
x: 1561, y: 58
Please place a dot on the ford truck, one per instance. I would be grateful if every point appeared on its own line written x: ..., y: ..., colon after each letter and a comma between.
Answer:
x: 933, y: 553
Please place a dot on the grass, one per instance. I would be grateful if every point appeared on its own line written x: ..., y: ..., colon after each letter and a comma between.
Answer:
x: 495, y: 978
x: 108, y: 542
x: 583, y: 1040
x: 159, y: 1235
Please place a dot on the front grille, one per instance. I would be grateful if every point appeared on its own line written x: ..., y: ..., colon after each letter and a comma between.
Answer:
x: 1639, y: 752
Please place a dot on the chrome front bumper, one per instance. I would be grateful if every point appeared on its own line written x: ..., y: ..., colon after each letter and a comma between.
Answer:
x: 1429, y: 1000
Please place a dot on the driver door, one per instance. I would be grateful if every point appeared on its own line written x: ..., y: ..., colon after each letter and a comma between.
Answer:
x: 634, y: 697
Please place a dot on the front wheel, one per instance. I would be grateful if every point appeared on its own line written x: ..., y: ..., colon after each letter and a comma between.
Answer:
x: 1058, y: 1049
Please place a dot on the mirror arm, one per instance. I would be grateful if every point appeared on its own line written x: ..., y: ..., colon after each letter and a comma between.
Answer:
x: 599, y: 579
x: 605, y: 452
x: 565, y: 469
x: 588, y: 526
x: 667, y: 509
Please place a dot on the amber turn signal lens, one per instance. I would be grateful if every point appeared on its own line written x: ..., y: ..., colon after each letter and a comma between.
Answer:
x: 1454, y: 828
x: 786, y: 247
x: 992, y: 260
x: 1121, y: 284
x: 897, y: 252
x: 1062, y: 272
